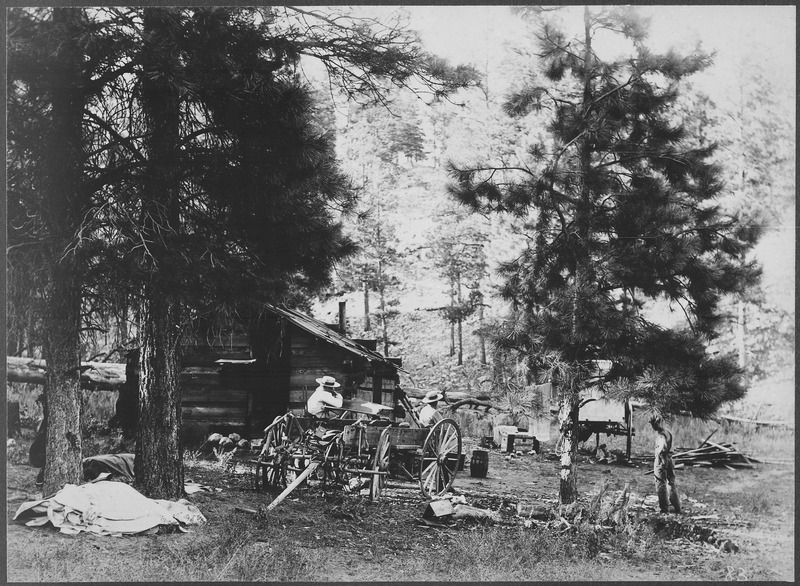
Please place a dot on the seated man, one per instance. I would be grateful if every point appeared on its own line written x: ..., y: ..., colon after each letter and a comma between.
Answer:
x: 428, y: 415
x: 324, y: 396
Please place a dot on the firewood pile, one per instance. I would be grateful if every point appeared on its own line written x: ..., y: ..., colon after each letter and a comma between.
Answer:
x: 713, y: 454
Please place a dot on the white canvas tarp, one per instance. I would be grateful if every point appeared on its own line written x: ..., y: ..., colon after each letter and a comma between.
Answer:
x: 107, y: 508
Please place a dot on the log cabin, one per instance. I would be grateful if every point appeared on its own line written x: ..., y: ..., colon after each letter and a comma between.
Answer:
x: 263, y: 367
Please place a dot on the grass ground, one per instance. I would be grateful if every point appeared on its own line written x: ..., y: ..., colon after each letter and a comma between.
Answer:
x: 324, y: 535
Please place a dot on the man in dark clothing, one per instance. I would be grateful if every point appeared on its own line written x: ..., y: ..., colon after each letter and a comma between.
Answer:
x: 36, y: 454
x: 664, y: 470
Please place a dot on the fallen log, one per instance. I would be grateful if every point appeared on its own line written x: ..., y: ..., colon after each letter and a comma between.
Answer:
x: 475, y: 402
x: 756, y: 422
x: 460, y: 395
x: 100, y: 376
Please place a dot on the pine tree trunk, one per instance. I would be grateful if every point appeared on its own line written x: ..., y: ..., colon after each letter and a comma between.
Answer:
x: 63, y: 165
x: 568, y: 475
x: 367, y: 324
x: 384, y: 326
x: 460, y: 327
x: 741, y: 333
x: 452, y: 323
x: 159, y: 462
x: 481, y: 337
x: 568, y: 492
x: 61, y: 350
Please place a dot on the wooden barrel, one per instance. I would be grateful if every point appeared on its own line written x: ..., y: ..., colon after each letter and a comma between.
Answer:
x: 479, y: 464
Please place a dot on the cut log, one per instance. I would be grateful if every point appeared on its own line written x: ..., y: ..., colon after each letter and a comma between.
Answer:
x: 473, y: 402
x: 452, y: 396
x: 101, y: 376
x: 756, y: 422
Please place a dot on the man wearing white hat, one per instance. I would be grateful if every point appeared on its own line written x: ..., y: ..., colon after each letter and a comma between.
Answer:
x: 324, y: 396
x: 428, y: 415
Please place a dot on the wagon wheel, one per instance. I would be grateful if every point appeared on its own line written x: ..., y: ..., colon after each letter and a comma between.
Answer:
x: 295, y: 449
x: 267, y: 458
x: 440, y: 455
x: 380, y: 463
x: 334, y: 463
x: 273, y: 461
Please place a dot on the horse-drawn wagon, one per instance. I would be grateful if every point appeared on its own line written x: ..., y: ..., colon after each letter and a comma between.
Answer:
x: 360, y: 444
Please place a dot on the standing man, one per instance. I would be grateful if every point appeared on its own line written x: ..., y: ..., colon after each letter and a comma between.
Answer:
x: 324, y: 396
x: 663, y: 469
x: 428, y: 415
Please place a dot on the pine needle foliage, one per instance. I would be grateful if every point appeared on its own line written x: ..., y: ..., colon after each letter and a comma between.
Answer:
x: 624, y: 211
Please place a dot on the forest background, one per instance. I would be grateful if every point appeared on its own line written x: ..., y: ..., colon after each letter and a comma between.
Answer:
x: 424, y: 280
x: 427, y: 268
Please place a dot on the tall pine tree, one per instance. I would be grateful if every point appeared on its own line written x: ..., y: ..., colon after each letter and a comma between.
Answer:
x: 60, y: 61
x: 624, y: 211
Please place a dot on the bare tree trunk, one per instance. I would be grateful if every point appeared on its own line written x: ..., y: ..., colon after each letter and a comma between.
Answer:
x: 159, y: 461
x: 481, y: 337
x: 452, y: 323
x: 460, y: 327
x: 61, y: 350
x: 741, y: 329
x: 568, y: 424
x: 384, y: 326
x: 63, y: 165
x: 367, y: 325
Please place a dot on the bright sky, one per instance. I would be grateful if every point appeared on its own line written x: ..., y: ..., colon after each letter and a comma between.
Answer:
x: 465, y: 33
x: 766, y: 33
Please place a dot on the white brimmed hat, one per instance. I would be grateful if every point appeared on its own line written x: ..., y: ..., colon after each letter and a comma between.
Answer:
x: 328, y: 381
x: 432, y: 397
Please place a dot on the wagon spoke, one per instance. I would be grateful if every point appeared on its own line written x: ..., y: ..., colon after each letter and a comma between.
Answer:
x: 450, y: 443
x: 433, y: 478
x: 429, y: 469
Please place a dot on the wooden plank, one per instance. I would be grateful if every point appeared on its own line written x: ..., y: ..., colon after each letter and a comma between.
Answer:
x: 407, y: 435
x: 298, y: 378
x: 201, y: 369
x: 201, y: 424
x: 312, y: 374
x: 201, y: 378
x: 299, y: 395
x: 317, y: 361
x: 207, y: 357
x: 214, y: 412
x: 364, y: 395
x: 315, y: 351
x: 708, y: 438
x: 197, y: 395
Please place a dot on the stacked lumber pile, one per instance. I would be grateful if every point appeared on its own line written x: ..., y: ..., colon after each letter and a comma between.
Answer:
x: 713, y: 454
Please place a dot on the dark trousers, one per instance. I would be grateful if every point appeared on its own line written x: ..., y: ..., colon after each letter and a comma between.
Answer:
x: 664, y: 472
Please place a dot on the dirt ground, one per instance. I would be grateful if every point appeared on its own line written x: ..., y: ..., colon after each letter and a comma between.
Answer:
x: 349, y: 538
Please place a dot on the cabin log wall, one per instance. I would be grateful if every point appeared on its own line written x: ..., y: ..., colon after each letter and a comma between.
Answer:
x: 245, y: 398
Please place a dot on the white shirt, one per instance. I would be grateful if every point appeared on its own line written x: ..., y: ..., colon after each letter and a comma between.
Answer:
x: 320, y: 398
x: 428, y: 415
x: 663, y: 448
